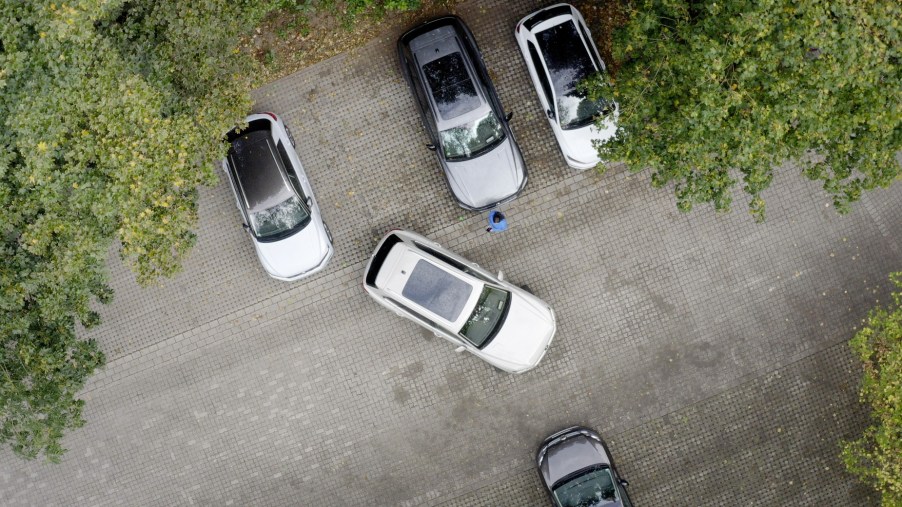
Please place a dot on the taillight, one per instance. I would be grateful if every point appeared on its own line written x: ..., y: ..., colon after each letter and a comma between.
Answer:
x: 272, y: 115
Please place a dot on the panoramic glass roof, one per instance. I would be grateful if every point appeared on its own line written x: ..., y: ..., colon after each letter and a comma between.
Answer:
x: 451, y: 87
x: 565, y: 55
x: 437, y: 290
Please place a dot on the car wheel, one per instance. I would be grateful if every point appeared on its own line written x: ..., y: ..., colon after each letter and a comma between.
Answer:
x: 527, y: 289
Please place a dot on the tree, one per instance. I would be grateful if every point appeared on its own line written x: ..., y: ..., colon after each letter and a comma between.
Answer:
x: 876, y: 457
x: 112, y: 115
x: 714, y: 92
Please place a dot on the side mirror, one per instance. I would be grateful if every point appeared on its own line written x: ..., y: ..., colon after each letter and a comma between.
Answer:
x: 624, y: 483
x: 509, y: 116
x: 245, y: 226
x: 309, y: 202
x: 501, y: 275
x: 460, y: 349
x: 430, y: 146
x: 550, y: 114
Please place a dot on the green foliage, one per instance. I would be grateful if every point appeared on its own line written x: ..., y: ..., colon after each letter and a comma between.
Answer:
x: 112, y: 113
x: 714, y: 92
x: 348, y: 9
x: 876, y: 457
x: 355, y: 7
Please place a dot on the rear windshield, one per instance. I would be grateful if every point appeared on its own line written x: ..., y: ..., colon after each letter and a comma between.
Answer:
x: 452, y: 89
x: 379, y: 258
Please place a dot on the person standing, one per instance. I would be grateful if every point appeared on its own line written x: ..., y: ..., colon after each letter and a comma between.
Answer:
x: 497, y: 222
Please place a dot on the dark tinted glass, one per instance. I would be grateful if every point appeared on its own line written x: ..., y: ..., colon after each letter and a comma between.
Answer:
x: 487, y: 317
x: 540, y: 71
x: 546, y: 14
x: 451, y: 86
x: 586, y: 37
x: 292, y: 177
x: 592, y: 489
x: 567, y: 58
x: 258, y: 170
x: 436, y: 290
x: 379, y: 258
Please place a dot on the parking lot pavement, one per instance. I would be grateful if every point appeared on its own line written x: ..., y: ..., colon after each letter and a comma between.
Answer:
x: 708, y: 350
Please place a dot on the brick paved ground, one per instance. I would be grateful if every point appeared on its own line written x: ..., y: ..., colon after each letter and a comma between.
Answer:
x: 708, y: 350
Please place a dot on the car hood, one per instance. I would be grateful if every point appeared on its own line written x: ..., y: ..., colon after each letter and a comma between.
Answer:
x: 296, y: 254
x: 489, y: 178
x: 525, y: 335
x: 573, y: 454
x: 579, y: 141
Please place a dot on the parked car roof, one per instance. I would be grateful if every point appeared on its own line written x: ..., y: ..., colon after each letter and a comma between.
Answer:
x: 439, y: 290
x: 260, y: 175
x: 566, y: 56
x: 448, y: 76
x: 462, y: 115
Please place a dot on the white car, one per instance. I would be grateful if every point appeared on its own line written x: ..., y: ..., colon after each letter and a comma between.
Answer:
x: 459, y: 301
x: 275, y: 199
x: 559, y: 54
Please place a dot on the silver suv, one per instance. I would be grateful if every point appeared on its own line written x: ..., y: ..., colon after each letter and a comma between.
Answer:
x: 462, y: 114
x: 459, y: 301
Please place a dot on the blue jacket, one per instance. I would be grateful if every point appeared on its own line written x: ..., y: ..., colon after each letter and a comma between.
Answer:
x: 500, y: 226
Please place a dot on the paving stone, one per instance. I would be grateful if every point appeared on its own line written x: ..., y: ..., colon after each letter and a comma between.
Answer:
x: 708, y: 350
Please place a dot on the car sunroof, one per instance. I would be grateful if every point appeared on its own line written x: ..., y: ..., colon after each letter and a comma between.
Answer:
x: 451, y: 87
x: 437, y: 290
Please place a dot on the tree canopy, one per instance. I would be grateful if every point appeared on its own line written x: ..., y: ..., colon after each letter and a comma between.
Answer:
x: 876, y: 457
x: 714, y: 93
x: 112, y: 115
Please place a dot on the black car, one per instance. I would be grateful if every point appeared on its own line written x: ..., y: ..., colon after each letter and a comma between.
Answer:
x: 466, y: 124
x: 578, y: 471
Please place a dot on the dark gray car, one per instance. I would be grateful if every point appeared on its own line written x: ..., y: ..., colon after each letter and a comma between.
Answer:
x: 578, y: 471
x: 461, y: 112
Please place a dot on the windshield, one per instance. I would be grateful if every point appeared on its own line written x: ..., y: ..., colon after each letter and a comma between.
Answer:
x: 472, y: 139
x: 594, y: 488
x: 575, y: 110
x: 278, y: 221
x: 487, y: 317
